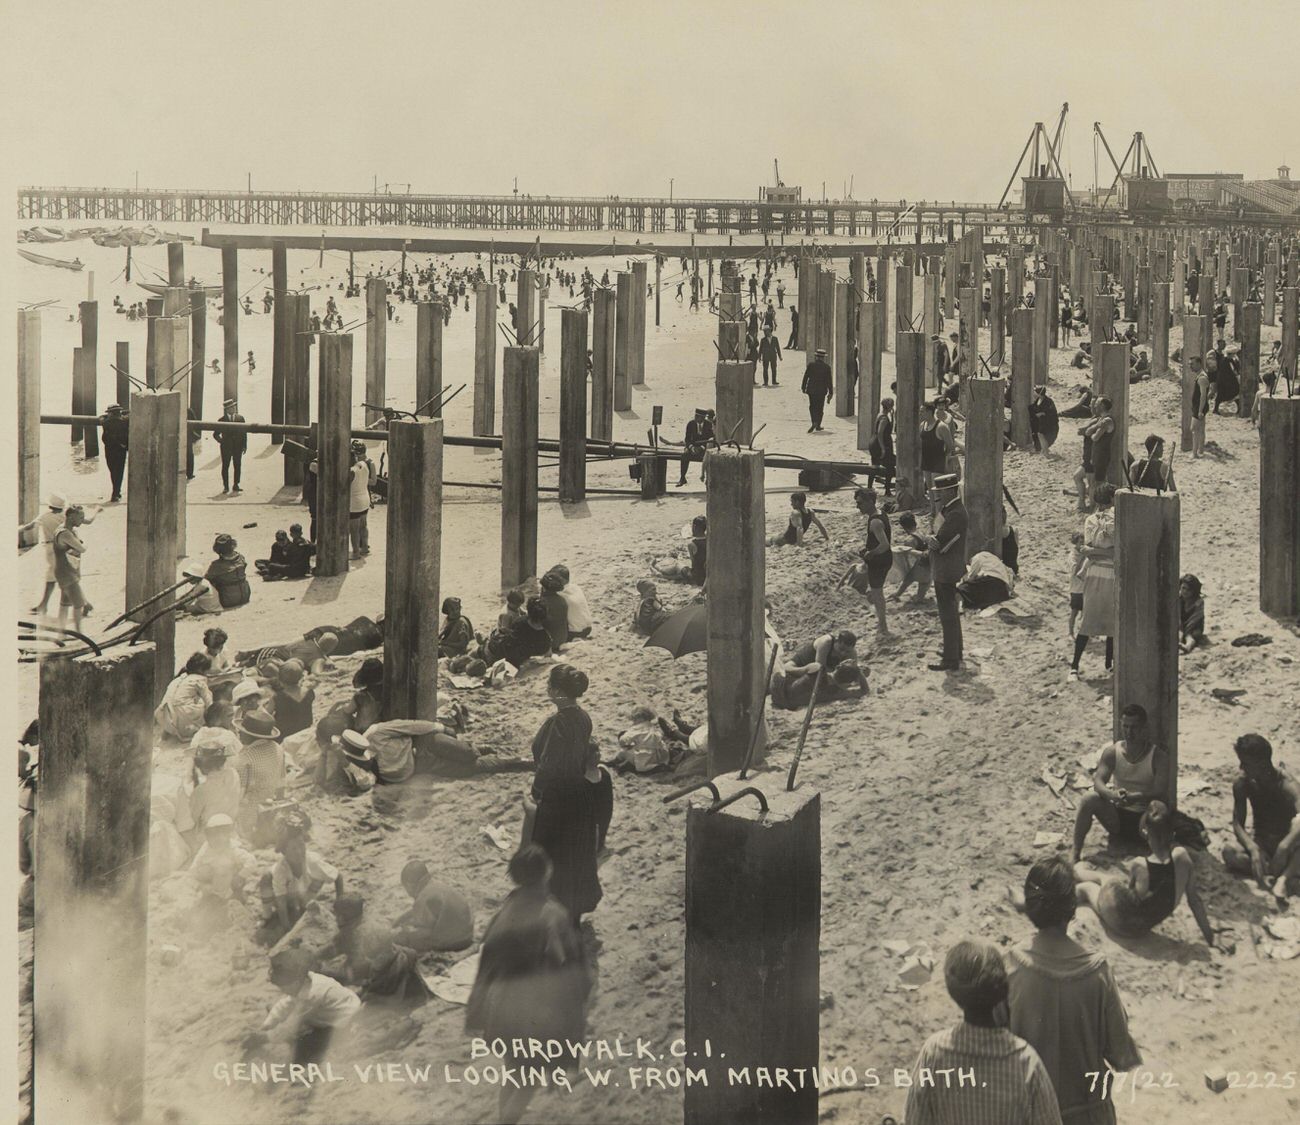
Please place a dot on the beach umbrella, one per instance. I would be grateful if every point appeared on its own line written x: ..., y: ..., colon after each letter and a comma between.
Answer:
x: 685, y: 631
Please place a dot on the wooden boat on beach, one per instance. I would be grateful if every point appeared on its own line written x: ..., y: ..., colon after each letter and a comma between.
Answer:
x: 45, y: 260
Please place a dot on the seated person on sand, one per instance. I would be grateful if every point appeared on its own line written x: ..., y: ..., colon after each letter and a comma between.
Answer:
x: 440, y: 917
x: 301, y: 551
x: 1191, y: 614
x: 277, y: 566
x: 1132, y: 907
x: 457, y: 632
x: 227, y: 573
x: 524, y: 639
x: 292, y: 700
x: 792, y: 686
x: 694, y: 568
x: 912, y: 558
x: 1082, y: 408
x: 580, y: 618
x: 1082, y: 357
x: 801, y: 518
x: 217, y: 788
x: 180, y: 714
x: 220, y: 870
x: 346, y: 763
x: 298, y: 877
x: 557, y: 609
x: 1272, y: 854
x: 513, y: 610
x: 1130, y: 774
x: 650, y: 611
x: 1141, y: 367
x: 1152, y: 471
x: 311, y: 1010
x: 202, y: 597
x: 365, y: 955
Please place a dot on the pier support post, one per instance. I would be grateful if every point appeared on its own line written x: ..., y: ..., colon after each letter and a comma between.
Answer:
x: 910, y: 376
x: 230, y: 314
x: 1270, y: 289
x: 376, y: 347
x: 603, y: 346
x: 1290, y: 329
x: 805, y: 290
x: 983, y: 477
x: 526, y: 308
x: 429, y: 317
x: 519, y: 466
x: 623, y: 344
x: 1279, y: 513
x: 280, y: 334
x: 845, y: 391
x: 297, y: 375
x: 734, y: 400
x: 969, y: 334
x: 1160, y: 329
x: 123, y: 370
x: 29, y: 414
x: 932, y: 325
x: 826, y: 338
x: 154, y: 435
x: 333, y: 454
x: 997, y: 316
x: 153, y: 310
x: 1250, y: 328
x: 1146, y: 613
x: 753, y: 928
x: 411, y: 568
x: 1022, y: 379
x: 1043, y: 315
x: 636, y: 353
x: 1143, y: 319
x: 1240, y: 292
x: 89, y: 313
x: 173, y: 346
x: 92, y: 880
x: 870, y: 341
x: 1194, y: 334
x: 888, y: 326
x: 485, y: 359
x: 176, y: 265
x: 1110, y: 368
x: 198, y: 348
x: 573, y: 405
x: 736, y: 665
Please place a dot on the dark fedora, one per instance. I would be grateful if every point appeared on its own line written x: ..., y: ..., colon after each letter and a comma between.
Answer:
x: 257, y: 724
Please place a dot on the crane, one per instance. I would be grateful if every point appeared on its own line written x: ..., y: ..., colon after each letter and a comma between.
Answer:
x: 776, y: 172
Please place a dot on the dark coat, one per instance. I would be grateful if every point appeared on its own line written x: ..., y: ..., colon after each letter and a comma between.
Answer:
x: 817, y: 379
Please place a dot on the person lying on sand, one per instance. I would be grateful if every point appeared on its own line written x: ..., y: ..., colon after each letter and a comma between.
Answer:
x: 1156, y: 884
x: 801, y: 518
x: 792, y: 687
x: 1272, y: 854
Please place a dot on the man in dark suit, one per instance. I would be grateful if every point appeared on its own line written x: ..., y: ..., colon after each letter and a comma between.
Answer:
x: 699, y: 436
x: 947, y: 566
x: 769, y: 351
x: 233, y: 444
x: 818, y: 385
x: 116, y: 428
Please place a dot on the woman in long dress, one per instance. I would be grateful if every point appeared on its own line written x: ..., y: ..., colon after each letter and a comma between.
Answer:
x: 532, y: 978
x: 572, y: 819
x: 1098, y: 573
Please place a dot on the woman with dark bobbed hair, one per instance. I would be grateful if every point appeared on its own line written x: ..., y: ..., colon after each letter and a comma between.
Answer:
x: 560, y: 745
x: 1064, y: 1001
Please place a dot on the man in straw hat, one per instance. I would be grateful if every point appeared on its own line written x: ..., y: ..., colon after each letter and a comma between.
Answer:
x: 260, y: 765
x: 46, y: 527
x: 233, y: 445
x: 948, y: 565
x: 818, y: 385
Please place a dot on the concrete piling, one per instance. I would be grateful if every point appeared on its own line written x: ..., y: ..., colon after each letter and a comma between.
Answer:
x: 519, y: 465
x: 333, y: 454
x: 573, y: 405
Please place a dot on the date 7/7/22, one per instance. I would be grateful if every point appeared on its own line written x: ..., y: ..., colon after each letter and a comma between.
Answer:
x: 1111, y: 1084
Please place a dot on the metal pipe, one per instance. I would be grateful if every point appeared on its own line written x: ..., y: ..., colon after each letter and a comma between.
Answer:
x: 685, y: 789
x: 748, y: 791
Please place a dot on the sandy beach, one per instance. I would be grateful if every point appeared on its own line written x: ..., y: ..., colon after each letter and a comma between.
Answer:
x: 932, y: 788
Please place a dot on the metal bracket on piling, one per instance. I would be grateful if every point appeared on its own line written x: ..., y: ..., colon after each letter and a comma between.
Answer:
x: 748, y: 791
x: 706, y: 783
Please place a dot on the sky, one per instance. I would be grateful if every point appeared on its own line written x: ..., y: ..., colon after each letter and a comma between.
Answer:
x: 911, y: 100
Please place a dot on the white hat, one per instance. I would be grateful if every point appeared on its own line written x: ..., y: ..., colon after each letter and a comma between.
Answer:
x: 219, y: 820
x: 243, y: 690
x: 193, y: 570
x: 355, y: 745
x: 54, y: 500
x: 215, y: 738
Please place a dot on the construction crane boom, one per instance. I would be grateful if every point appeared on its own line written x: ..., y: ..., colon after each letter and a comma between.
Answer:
x: 776, y: 172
